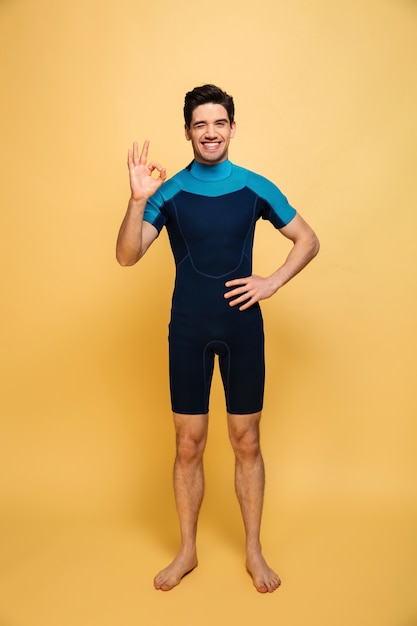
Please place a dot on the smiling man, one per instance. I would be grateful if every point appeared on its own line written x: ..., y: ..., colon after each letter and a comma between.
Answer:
x: 210, y: 210
x: 210, y: 132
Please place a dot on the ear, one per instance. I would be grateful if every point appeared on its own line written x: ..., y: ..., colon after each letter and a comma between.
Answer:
x: 187, y: 134
x: 233, y: 127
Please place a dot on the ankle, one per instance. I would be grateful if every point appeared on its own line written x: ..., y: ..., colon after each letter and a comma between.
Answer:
x: 253, y: 547
x: 188, y: 547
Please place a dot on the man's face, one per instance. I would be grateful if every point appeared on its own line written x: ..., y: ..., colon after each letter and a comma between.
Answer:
x: 210, y: 133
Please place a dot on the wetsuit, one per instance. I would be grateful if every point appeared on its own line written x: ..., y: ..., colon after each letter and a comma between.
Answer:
x: 210, y: 213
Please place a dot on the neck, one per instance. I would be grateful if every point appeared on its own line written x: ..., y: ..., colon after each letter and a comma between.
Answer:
x: 217, y: 171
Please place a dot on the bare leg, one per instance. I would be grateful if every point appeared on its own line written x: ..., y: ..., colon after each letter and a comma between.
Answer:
x: 250, y: 484
x: 191, y: 437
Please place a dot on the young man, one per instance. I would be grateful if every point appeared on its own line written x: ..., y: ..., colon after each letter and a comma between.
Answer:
x: 210, y: 210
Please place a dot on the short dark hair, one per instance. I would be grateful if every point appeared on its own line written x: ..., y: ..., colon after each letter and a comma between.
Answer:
x: 204, y: 95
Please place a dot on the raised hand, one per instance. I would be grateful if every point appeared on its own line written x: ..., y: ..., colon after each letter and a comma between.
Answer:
x: 142, y: 184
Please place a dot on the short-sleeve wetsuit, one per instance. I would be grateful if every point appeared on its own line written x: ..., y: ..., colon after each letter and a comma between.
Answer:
x: 210, y: 212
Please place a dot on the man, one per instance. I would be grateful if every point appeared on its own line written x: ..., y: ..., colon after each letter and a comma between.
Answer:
x: 210, y: 210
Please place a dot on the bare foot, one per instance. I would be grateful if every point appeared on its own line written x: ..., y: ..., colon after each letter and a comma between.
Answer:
x: 264, y: 578
x: 171, y: 576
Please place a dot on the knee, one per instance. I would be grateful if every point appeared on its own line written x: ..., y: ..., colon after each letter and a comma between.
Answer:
x: 246, y: 444
x: 190, y: 448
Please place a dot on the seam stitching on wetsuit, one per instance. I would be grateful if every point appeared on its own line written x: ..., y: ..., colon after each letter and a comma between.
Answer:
x: 188, y: 255
x: 243, y: 251
x: 207, y: 382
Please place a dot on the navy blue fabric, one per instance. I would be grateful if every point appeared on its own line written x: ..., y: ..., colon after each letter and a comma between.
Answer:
x: 210, y: 214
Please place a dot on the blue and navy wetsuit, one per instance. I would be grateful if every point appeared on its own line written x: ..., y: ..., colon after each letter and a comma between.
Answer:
x: 210, y: 212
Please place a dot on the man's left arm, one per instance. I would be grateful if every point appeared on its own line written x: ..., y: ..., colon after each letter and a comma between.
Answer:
x: 246, y: 291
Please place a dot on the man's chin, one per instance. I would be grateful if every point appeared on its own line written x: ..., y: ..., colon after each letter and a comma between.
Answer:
x: 211, y: 158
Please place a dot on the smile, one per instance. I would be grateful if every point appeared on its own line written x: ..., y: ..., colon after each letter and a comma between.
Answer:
x: 211, y: 145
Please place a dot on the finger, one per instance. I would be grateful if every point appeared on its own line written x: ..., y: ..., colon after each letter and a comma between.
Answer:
x: 236, y: 282
x: 247, y: 301
x: 236, y: 292
x: 243, y: 298
x: 144, y: 153
x: 248, y: 304
x: 135, y: 154
x: 158, y: 167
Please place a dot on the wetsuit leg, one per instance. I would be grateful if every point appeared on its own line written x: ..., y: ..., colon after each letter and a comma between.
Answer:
x: 190, y: 370
x: 239, y: 342
x: 242, y: 367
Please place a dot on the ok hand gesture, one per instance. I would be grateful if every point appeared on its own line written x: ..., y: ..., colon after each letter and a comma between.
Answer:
x: 142, y: 184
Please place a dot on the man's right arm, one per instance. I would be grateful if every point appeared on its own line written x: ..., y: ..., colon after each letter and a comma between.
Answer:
x: 135, y: 235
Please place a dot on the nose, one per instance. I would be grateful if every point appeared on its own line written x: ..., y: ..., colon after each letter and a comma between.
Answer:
x: 211, y: 131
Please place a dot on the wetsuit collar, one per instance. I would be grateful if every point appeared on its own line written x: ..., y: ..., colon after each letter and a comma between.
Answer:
x: 220, y: 171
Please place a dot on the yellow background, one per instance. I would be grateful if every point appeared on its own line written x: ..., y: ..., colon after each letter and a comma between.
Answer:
x: 325, y: 95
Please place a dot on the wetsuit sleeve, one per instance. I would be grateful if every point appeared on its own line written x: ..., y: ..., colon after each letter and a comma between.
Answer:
x: 272, y: 204
x: 154, y: 213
